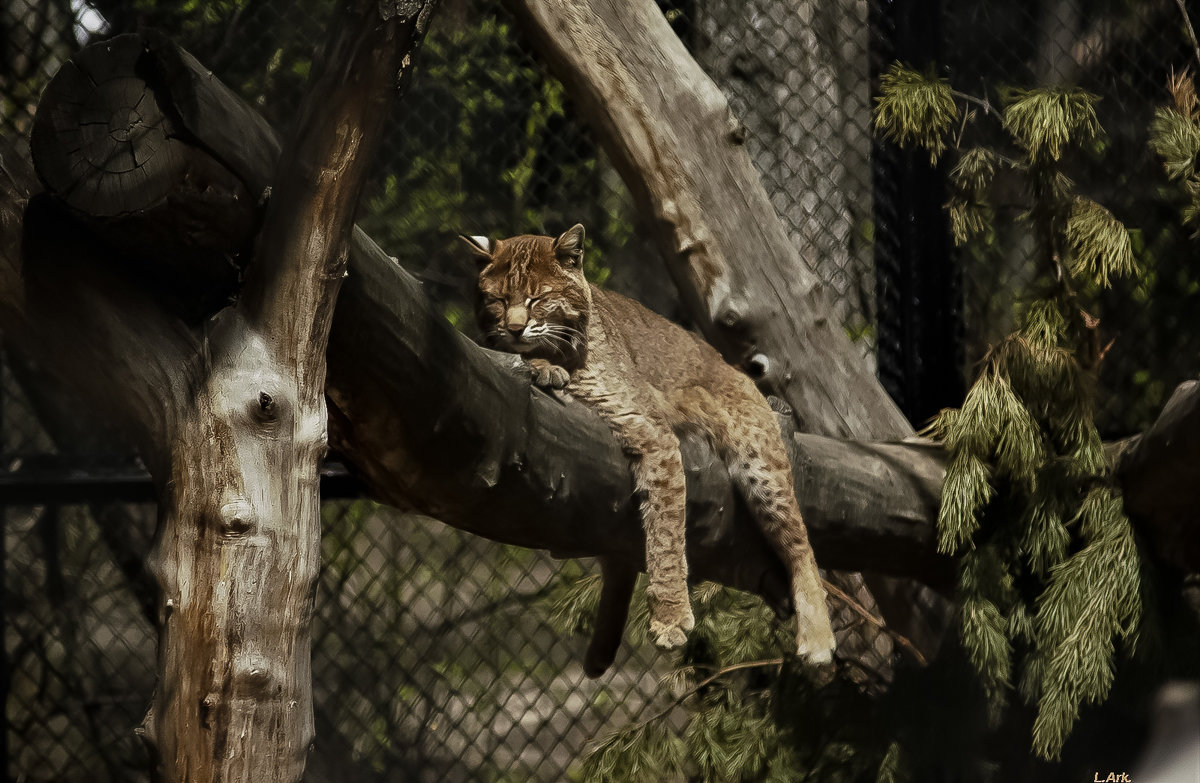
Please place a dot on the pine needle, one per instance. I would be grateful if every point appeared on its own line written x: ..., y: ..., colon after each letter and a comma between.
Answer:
x: 965, y: 492
x: 1175, y: 138
x: 1044, y: 121
x: 1099, y: 244
x: 913, y: 109
x: 642, y: 753
x: 1091, y: 599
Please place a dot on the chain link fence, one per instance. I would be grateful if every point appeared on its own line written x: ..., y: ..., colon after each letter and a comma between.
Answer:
x: 436, y: 655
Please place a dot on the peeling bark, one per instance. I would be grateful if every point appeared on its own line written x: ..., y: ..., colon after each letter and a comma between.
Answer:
x: 232, y: 417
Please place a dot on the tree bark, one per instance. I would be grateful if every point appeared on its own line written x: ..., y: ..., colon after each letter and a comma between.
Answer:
x: 796, y: 76
x: 233, y: 419
x: 669, y: 131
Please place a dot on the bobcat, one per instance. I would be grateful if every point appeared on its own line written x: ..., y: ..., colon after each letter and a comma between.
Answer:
x: 649, y: 379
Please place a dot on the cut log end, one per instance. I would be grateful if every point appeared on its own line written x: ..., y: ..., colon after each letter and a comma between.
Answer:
x: 101, y: 142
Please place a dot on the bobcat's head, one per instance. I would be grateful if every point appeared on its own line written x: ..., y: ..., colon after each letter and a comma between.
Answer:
x: 532, y: 297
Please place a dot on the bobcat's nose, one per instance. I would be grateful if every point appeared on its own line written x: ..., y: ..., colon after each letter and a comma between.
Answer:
x: 517, y: 318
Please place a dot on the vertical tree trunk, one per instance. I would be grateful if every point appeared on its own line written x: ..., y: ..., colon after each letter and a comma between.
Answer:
x: 795, y: 72
x: 238, y: 546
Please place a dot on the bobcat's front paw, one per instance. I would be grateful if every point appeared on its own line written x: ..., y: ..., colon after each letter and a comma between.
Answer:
x: 669, y: 626
x: 547, y: 375
x: 670, y: 636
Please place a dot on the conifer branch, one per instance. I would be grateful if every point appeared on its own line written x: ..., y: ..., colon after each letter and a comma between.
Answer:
x: 692, y: 691
x: 861, y: 611
x: 982, y: 103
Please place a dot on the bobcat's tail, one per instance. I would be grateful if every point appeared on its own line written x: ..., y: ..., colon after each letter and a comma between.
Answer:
x: 615, y: 594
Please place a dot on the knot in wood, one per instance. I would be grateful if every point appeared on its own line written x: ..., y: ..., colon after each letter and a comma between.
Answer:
x: 253, y: 675
x: 267, y: 407
x: 737, y: 133
x: 730, y: 317
x: 758, y: 366
x: 208, y: 706
x: 237, y: 517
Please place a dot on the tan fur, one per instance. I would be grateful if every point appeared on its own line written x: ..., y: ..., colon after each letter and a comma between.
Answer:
x: 650, y: 379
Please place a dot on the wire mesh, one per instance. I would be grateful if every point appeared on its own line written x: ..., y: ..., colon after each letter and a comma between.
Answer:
x: 1125, y: 53
x: 434, y: 656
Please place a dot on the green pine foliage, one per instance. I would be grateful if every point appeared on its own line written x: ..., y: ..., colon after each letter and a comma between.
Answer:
x: 1046, y: 122
x: 735, y: 707
x: 648, y: 752
x: 1175, y: 137
x: 914, y: 109
x: 971, y: 214
x: 1048, y: 567
x: 1098, y: 242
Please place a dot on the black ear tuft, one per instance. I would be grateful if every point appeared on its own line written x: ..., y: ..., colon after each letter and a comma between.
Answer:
x: 481, y: 246
x: 568, y: 248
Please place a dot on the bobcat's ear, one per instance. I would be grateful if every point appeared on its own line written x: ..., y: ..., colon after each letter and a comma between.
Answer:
x: 568, y: 248
x: 481, y: 246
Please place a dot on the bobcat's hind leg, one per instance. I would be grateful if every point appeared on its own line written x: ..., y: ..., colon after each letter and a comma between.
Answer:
x: 749, y: 443
x: 768, y: 491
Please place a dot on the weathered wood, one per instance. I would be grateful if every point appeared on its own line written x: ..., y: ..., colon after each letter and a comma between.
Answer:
x: 105, y: 147
x: 238, y: 548
x: 669, y: 131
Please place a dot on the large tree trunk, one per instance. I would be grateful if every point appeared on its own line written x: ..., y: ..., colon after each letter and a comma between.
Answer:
x: 669, y: 131
x: 230, y: 418
x: 796, y: 74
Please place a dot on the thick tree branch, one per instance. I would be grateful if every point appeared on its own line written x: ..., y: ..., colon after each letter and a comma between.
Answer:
x: 1158, y: 475
x: 434, y: 423
x: 69, y: 306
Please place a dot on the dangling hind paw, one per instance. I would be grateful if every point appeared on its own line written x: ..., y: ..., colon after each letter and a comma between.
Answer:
x: 814, y: 654
x: 814, y: 634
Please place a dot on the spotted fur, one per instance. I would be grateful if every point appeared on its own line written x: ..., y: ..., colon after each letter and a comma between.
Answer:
x: 650, y: 380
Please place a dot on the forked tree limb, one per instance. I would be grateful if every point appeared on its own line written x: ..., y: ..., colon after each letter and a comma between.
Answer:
x: 235, y: 422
